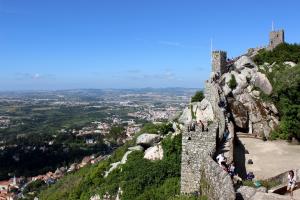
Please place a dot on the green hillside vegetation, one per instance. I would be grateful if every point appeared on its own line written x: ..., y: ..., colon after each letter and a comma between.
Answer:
x: 138, y: 178
x: 161, y: 128
x: 197, y: 97
x: 286, y: 88
x: 283, y: 52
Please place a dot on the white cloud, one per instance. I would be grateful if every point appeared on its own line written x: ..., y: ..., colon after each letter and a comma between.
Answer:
x: 34, y: 76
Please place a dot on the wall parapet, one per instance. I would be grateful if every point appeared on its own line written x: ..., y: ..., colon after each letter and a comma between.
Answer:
x: 200, y: 174
x: 282, y: 179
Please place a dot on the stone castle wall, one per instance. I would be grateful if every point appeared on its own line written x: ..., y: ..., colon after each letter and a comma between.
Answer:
x: 282, y: 179
x: 200, y: 174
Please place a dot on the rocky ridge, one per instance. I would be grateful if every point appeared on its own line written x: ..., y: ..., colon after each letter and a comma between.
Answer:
x: 249, y: 112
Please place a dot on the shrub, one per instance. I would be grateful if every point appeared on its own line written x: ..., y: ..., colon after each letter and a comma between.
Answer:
x: 269, y: 184
x: 197, y: 97
x: 248, y: 183
x: 232, y: 83
x: 283, y: 52
x: 192, y: 112
x: 162, y: 128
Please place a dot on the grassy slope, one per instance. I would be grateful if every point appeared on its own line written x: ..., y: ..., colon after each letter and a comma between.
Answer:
x: 139, y: 178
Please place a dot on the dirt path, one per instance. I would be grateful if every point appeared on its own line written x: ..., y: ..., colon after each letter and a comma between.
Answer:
x: 270, y: 158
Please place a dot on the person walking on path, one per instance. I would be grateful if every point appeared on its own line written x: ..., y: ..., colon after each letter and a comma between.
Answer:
x: 291, y: 183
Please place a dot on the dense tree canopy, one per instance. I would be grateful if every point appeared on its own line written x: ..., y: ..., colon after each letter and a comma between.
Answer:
x: 283, y: 52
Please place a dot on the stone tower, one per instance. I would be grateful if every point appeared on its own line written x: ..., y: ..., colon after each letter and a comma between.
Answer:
x: 219, y: 61
x: 276, y: 38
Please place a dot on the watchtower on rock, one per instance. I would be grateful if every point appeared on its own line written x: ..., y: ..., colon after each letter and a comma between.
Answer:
x: 276, y: 38
x: 219, y: 62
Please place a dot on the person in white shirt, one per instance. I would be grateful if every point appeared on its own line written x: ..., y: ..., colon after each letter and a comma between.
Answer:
x: 291, y: 183
x: 221, y: 158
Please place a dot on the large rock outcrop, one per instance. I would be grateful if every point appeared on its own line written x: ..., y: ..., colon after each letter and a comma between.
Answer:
x: 239, y: 112
x: 261, y: 81
x: 197, y: 111
x: 244, y: 62
x: 154, y: 153
x: 147, y: 139
x: 249, y: 111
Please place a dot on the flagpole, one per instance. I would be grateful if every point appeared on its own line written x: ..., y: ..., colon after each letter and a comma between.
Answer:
x: 211, y: 50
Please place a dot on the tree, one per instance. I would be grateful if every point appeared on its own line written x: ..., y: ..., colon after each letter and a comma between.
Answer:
x: 232, y: 83
x: 198, y: 97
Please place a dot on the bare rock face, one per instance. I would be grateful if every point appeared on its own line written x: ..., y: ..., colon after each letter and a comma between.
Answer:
x: 246, y: 71
x: 95, y: 197
x: 147, y: 140
x: 248, y: 110
x: 239, y: 112
x: 263, y: 117
x: 249, y: 193
x: 125, y: 156
x: 186, y: 116
x: 204, y: 111
x: 154, y: 153
x: 226, y: 89
x: 241, y: 80
x: 292, y: 64
x: 136, y: 148
x: 201, y: 110
x: 246, y: 192
x: 243, y: 62
x: 261, y: 81
x: 112, y: 167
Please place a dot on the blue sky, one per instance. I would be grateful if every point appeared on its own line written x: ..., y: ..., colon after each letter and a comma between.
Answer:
x: 65, y: 44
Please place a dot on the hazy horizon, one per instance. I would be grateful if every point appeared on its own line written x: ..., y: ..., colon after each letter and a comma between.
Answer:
x: 104, y: 89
